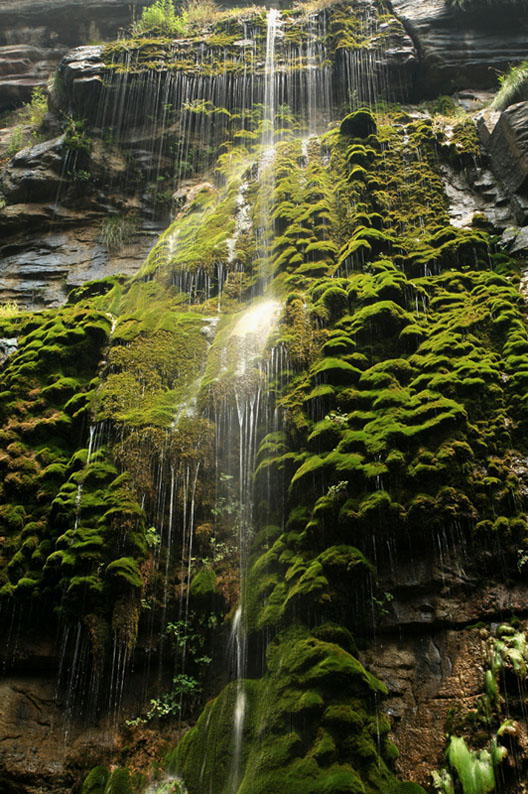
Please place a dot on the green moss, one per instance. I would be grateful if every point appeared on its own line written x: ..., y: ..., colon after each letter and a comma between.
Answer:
x: 96, y: 780
x: 203, y: 583
x: 303, y: 673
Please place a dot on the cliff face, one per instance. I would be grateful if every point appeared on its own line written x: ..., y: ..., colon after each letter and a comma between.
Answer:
x: 35, y: 36
x: 264, y: 468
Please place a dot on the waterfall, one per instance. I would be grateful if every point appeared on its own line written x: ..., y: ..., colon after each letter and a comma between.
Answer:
x: 239, y: 421
x: 238, y: 651
x: 273, y: 19
x: 265, y: 224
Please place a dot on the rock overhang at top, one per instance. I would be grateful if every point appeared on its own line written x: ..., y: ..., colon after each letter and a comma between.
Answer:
x: 460, y: 48
x: 235, y: 47
x: 35, y: 35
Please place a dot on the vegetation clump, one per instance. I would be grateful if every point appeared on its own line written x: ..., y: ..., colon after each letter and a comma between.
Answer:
x: 513, y: 87
x: 162, y: 18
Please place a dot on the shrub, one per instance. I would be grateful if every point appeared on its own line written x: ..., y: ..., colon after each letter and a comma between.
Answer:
x: 162, y: 17
x: 200, y: 12
x: 35, y: 110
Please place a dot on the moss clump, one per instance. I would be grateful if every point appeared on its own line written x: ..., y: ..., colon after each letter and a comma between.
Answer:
x: 96, y: 780
x: 283, y: 738
x: 360, y: 124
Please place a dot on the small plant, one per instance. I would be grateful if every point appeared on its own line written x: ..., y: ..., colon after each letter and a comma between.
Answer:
x: 31, y: 115
x: 35, y: 110
x: 116, y: 232
x: 17, y: 141
x: 152, y: 537
x: 76, y: 138
x: 162, y: 18
x: 80, y: 175
x: 513, y: 87
x: 170, y: 703
x: 9, y: 309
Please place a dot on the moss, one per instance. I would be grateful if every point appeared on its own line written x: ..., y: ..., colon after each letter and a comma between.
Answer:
x: 96, y: 780
x: 360, y: 124
x: 203, y: 583
x: 122, y: 781
x: 303, y: 672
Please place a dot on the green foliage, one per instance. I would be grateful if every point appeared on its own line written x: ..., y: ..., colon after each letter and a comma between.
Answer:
x: 117, y: 231
x: 31, y: 116
x: 170, y: 704
x: 475, y: 770
x: 35, y: 110
x: 76, y: 138
x: 9, y: 309
x: 513, y: 87
x: 162, y: 18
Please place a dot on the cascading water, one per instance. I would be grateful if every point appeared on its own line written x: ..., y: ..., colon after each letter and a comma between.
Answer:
x: 273, y: 19
x: 239, y: 426
x: 264, y: 232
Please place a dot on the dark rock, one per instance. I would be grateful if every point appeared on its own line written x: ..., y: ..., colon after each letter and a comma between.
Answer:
x: 515, y: 238
x: 459, y: 49
x: 35, y: 174
x: 475, y: 195
x: 24, y: 67
x: 7, y: 346
x: 79, y: 82
x: 38, y: 270
x: 35, y: 35
x: 508, y: 149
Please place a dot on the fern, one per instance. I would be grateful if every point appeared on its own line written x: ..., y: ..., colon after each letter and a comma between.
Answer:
x: 514, y: 87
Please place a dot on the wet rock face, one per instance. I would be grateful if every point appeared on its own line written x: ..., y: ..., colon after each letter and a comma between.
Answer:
x: 35, y: 35
x: 427, y: 676
x: 35, y: 174
x: 459, y: 49
x: 433, y: 648
x: 508, y: 149
x: 40, y: 269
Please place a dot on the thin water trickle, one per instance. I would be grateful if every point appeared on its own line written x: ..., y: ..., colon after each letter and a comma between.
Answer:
x: 267, y: 156
x: 273, y: 23
x: 238, y: 650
